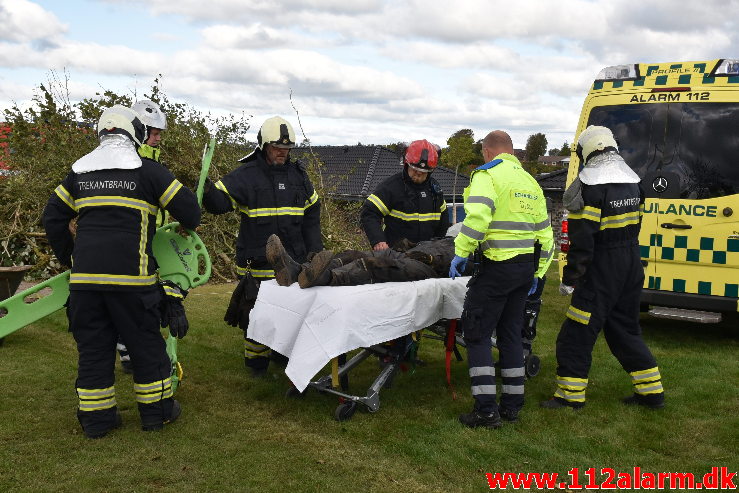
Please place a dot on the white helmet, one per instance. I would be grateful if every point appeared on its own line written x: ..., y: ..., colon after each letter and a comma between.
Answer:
x: 277, y: 132
x: 592, y: 139
x: 119, y: 119
x: 151, y: 114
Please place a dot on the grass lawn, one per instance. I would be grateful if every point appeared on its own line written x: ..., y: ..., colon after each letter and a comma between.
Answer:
x: 240, y: 434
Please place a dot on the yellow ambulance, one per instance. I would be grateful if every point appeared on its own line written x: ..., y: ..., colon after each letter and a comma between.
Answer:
x: 677, y: 126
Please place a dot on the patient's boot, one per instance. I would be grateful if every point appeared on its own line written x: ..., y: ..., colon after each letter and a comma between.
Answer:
x: 286, y: 269
x: 318, y: 271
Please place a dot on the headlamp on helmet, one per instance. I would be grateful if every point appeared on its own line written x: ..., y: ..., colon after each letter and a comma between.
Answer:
x: 421, y: 155
x: 151, y: 114
x: 119, y: 119
x: 594, y: 140
x: 278, y: 132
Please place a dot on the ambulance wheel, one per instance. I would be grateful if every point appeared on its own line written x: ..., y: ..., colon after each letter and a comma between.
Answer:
x: 345, y: 411
x: 533, y: 365
x: 294, y: 393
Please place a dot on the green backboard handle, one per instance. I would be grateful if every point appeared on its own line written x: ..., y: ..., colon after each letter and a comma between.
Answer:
x: 19, y: 313
x: 182, y: 260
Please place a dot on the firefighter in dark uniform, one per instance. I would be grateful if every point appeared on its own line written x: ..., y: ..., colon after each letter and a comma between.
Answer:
x: 273, y: 195
x: 410, y: 204
x: 115, y: 196
x: 605, y: 272
x: 507, y: 221
x: 156, y: 122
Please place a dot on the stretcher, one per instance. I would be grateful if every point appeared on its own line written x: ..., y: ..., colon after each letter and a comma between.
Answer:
x: 316, y: 326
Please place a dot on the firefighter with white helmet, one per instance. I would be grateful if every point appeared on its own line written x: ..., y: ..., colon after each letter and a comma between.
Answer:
x: 604, y: 274
x: 273, y: 195
x: 409, y: 205
x: 115, y: 195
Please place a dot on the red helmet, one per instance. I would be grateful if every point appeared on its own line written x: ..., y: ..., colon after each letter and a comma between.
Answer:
x: 421, y: 155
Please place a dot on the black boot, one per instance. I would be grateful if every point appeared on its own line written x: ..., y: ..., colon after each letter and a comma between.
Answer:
x: 286, y: 269
x: 657, y: 401
x: 558, y: 403
x: 476, y: 419
x: 158, y: 425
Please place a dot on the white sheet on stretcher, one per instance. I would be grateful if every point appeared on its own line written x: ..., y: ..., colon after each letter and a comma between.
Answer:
x: 312, y: 326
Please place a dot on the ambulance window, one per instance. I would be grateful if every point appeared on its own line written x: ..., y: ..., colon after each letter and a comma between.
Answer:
x: 704, y: 138
x: 638, y: 129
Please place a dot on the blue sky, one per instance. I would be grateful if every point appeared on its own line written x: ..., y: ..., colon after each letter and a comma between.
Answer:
x: 370, y: 71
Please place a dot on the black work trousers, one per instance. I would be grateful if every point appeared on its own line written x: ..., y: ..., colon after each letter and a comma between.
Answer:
x: 607, y: 299
x: 495, y: 301
x: 96, y: 319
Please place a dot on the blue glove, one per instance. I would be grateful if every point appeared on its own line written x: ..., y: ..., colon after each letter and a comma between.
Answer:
x: 457, y: 266
x: 534, y: 285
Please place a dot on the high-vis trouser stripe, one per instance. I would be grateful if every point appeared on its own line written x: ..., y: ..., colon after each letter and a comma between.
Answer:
x: 96, y: 399
x: 79, y: 278
x: 254, y: 350
x: 512, y: 372
x: 483, y: 390
x: 512, y: 389
x: 570, y: 396
x: 649, y: 388
x: 642, y: 376
x: 482, y: 371
x: 577, y: 315
x: 147, y: 393
x: 647, y: 381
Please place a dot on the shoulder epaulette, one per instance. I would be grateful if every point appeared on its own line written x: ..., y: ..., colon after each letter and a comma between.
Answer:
x: 491, y: 164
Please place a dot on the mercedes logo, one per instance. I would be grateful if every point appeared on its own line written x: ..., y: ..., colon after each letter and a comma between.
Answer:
x: 659, y: 185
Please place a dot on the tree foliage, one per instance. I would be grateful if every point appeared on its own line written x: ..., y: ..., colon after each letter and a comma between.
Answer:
x: 462, y: 152
x: 51, y: 135
x: 536, y: 146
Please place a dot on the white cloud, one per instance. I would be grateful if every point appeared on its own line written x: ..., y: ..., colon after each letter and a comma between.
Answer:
x: 21, y: 21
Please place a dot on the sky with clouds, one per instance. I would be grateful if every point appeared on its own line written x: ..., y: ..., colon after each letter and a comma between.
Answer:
x: 370, y: 71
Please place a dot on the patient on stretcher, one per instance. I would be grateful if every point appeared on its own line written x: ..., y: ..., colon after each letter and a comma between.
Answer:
x: 427, y: 259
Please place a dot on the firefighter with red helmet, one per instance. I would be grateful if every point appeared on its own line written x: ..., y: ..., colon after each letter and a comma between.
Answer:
x: 410, y: 204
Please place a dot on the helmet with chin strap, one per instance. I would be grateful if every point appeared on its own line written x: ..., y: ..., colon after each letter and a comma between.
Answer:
x: 594, y: 140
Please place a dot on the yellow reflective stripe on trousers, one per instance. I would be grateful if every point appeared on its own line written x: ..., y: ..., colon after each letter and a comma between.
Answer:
x: 116, y: 201
x: 648, y: 375
x: 173, y: 292
x: 578, y: 315
x: 147, y: 393
x: 96, y: 399
x: 261, y: 273
x: 649, y: 388
x: 81, y: 278
x: 619, y: 221
x: 64, y: 195
x: 170, y: 192
x: 220, y: 186
x: 415, y: 216
x: 590, y: 213
x: 578, y: 396
x: 572, y: 384
x: 374, y: 199
x: 255, y: 350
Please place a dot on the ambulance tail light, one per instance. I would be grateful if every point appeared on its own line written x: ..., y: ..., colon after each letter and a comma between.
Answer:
x: 564, y: 242
x: 728, y: 67
x: 619, y: 72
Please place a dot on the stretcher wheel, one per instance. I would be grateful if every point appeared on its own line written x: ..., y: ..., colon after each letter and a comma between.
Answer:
x: 532, y: 366
x: 294, y: 393
x: 345, y: 411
